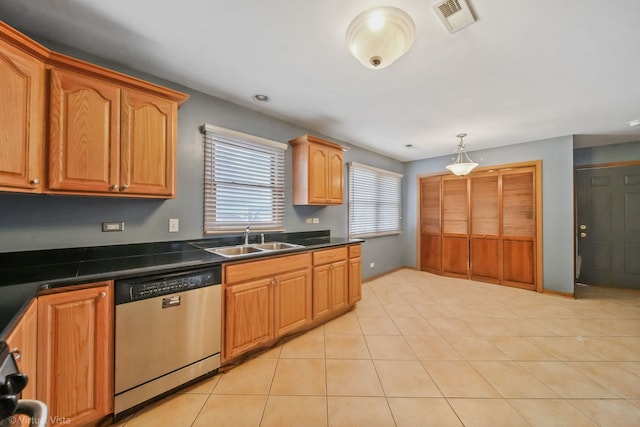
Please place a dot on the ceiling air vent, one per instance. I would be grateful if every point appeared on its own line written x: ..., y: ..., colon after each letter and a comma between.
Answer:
x: 454, y: 14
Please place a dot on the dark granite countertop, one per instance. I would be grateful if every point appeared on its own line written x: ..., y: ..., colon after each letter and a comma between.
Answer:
x: 24, y: 274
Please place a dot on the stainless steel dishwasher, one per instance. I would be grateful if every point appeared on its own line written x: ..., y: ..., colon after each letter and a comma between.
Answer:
x: 167, y: 333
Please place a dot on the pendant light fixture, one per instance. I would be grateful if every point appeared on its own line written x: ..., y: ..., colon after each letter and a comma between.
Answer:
x: 462, y: 165
x: 379, y: 36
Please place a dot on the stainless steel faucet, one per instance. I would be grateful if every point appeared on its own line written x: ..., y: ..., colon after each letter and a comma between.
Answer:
x: 246, y: 235
x: 262, y: 238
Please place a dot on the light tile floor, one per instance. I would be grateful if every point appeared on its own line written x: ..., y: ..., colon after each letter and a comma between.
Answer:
x: 424, y: 350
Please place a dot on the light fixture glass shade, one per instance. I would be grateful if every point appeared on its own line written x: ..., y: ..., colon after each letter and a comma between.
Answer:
x: 462, y: 165
x: 462, y: 169
x: 379, y: 36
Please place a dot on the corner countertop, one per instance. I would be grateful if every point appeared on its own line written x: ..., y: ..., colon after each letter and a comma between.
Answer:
x: 24, y: 274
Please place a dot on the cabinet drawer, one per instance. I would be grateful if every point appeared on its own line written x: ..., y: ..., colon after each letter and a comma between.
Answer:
x: 241, y: 272
x: 355, y: 251
x: 330, y: 255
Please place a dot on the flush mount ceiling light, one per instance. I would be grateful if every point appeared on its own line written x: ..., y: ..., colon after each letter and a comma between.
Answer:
x: 379, y: 36
x: 462, y: 164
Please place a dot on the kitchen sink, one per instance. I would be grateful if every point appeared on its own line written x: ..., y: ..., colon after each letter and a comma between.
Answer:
x: 276, y: 246
x: 239, y: 250
x: 231, y: 251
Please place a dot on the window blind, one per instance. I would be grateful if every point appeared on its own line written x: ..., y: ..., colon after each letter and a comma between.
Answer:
x: 374, y: 201
x: 243, y: 182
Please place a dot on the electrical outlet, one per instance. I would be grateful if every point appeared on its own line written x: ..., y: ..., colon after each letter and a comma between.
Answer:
x: 174, y: 225
x: 113, y: 226
x: 316, y: 220
x: 373, y: 264
x: 308, y: 220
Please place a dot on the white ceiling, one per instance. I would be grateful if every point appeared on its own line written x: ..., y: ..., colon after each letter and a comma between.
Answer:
x: 526, y: 70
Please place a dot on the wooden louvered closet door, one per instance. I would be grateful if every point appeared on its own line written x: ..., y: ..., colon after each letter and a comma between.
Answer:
x: 430, y: 225
x: 519, y: 228
x: 485, y: 227
x: 455, y: 227
x: 482, y: 227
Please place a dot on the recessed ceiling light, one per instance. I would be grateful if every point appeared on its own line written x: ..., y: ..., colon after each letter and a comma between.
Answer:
x: 260, y: 98
x: 634, y: 123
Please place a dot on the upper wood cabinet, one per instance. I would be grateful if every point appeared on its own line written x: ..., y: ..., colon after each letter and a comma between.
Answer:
x: 105, y: 139
x: 318, y: 171
x: 22, y: 105
x: 84, y: 134
x: 109, y: 134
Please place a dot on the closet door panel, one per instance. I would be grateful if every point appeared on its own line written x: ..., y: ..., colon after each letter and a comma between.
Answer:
x: 455, y: 226
x: 519, y: 228
x: 430, y: 225
x: 455, y: 256
x: 518, y: 263
x: 485, y: 227
x: 485, y: 259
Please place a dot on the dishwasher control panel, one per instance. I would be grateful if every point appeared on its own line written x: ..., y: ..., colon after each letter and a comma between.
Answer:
x: 130, y: 290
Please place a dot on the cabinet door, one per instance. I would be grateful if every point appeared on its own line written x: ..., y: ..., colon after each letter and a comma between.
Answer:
x: 22, y: 341
x: 321, y: 291
x: 318, y: 174
x: 335, y: 183
x: 455, y: 227
x: 21, y: 120
x: 84, y: 134
x: 248, y: 316
x: 355, y: 280
x: 430, y: 225
x: 339, y: 285
x: 519, y: 228
x: 148, y: 144
x: 292, y: 301
x: 485, y: 227
x: 75, y: 353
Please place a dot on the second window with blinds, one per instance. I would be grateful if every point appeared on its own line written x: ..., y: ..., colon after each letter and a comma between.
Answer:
x: 374, y: 201
x: 243, y: 182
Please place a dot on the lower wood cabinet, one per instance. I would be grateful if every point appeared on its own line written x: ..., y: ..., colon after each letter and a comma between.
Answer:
x: 274, y: 297
x: 330, y: 281
x: 355, y: 273
x: 22, y: 341
x: 75, y: 353
x: 265, y: 299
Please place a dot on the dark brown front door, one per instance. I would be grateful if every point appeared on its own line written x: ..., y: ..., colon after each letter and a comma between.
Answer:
x: 608, y: 226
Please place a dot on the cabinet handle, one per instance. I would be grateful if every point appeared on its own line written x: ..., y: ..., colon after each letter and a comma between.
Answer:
x: 17, y: 354
x: 102, y: 294
x: 124, y: 187
x: 114, y: 187
x: 35, y: 181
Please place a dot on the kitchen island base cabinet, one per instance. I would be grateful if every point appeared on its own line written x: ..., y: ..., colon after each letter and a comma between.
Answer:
x: 75, y: 354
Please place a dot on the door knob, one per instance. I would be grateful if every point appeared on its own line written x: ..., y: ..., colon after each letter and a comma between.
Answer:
x: 583, y: 227
x: 583, y: 235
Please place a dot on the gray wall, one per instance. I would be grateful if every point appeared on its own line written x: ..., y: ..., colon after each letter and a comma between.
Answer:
x: 557, y: 201
x: 30, y: 222
x: 607, y: 154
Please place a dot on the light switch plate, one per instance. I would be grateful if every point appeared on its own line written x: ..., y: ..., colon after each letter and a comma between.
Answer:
x: 174, y: 225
